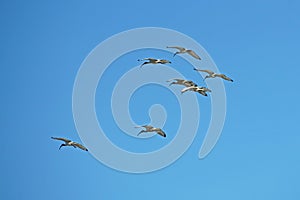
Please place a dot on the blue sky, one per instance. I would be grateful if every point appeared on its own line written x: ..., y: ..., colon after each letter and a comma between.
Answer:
x: 256, y: 43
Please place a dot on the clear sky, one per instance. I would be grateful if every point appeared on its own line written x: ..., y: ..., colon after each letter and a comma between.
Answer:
x: 256, y: 43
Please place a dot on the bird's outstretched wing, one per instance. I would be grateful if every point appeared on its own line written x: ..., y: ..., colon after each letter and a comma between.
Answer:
x: 161, y: 61
x: 204, y: 70
x: 147, y: 127
x: 62, y: 139
x: 190, y: 83
x: 223, y: 76
x: 192, y: 53
x: 161, y: 132
x: 188, y: 88
x: 170, y: 80
x: 176, y: 47
x: 176, y: 79
x: 142, y: 131
x: 202, y: 92
x: 150, y: 59
x: 204, y: 89
x: 80, y: 146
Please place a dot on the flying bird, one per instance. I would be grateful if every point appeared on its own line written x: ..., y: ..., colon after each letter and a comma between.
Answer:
x: 184, y: 50
x: 212, y: 74
x: 201, y: 90
x: 69, y: 143
x: 186, y: 83
x: 151, y: 129
x: 153, y: 61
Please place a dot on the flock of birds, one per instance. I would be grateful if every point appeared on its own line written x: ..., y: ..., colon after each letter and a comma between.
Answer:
x: 188, y: 84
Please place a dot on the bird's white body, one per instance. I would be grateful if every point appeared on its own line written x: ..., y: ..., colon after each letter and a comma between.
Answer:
x: 154, y: 61
x: 70, y: 143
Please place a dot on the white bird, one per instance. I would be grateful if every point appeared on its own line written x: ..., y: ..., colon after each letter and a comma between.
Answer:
x: 184, y: 50
x: 186, y: 83
x: 151, y: 129
x: 201, y: 90
x: 70, y: 143
x: 153, y: 61
x: 212, y: 74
